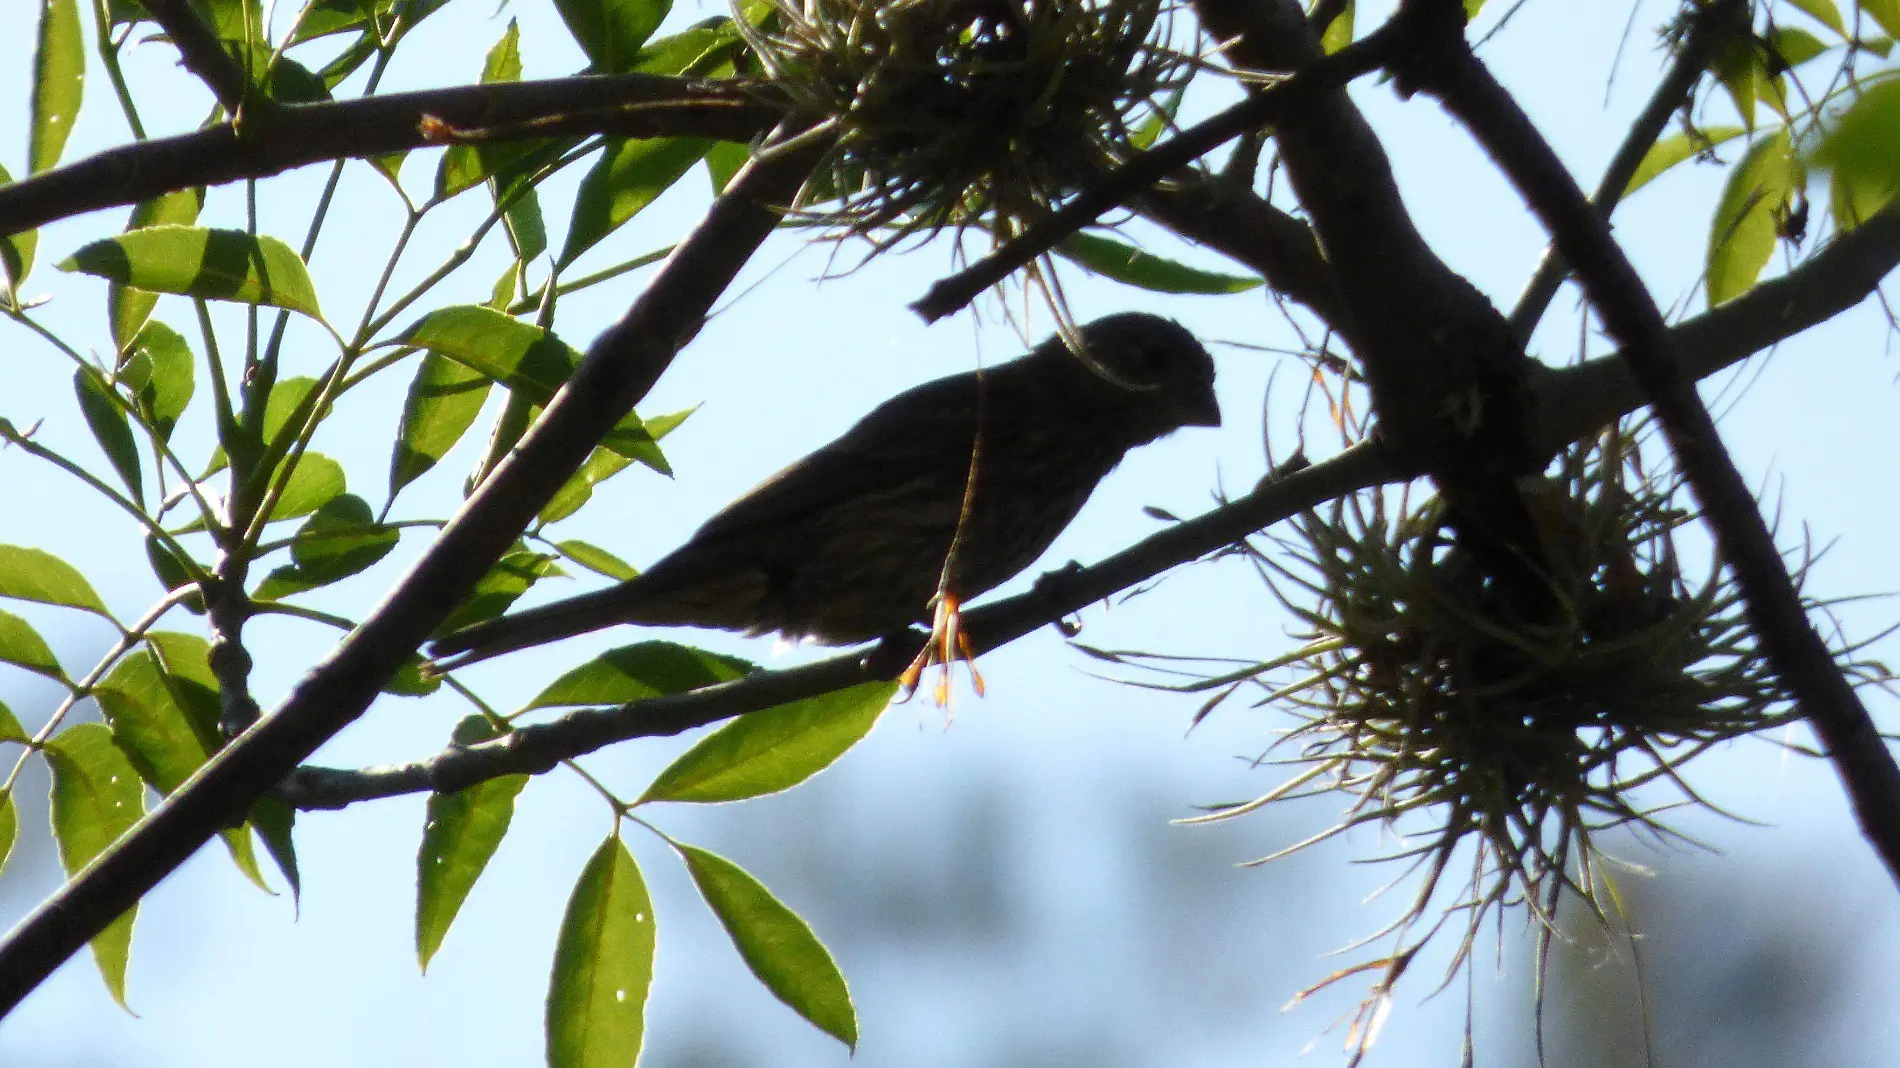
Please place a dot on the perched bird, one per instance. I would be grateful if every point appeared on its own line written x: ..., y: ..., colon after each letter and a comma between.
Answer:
x: 855, y: 541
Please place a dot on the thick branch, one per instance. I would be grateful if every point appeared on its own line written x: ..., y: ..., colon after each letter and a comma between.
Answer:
x: 1580, y: 399
x: 202, y: 52
x: 620, y: 367
x: 1799, y: 655
x: 624, y: 105
x: 1244, y: 227
x: 1712, y: 27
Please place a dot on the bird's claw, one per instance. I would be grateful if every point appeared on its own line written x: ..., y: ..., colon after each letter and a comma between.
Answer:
x: 947, y: 644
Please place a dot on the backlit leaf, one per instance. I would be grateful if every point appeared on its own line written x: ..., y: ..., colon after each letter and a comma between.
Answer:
x: 37, y: 575
x: 460, y: 834
x: 96, y: 798
x: 639, y: 671
x: 194, y: 261
x: 603, y: 965
x: 774, y: 749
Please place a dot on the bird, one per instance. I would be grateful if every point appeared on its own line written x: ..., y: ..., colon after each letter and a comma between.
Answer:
x: 940, y: 494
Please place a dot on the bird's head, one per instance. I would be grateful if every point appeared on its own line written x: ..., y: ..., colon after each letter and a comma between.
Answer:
x: 1155, y: 365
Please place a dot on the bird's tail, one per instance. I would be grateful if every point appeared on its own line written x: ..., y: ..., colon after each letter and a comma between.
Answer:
x: 535, y: 626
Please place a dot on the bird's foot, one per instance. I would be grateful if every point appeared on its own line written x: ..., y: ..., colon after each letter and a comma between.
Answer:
x: 947, y: 644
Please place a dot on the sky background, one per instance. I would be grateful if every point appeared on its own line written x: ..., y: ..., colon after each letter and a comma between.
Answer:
x: 1006, y: 891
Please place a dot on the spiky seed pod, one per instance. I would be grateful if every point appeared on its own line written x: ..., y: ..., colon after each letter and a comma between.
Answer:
x: 965, y: 112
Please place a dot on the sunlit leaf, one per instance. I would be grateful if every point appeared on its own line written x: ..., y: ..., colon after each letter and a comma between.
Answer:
x: 772, y: 750
x: 37, y: 575
x: 59, y: 80
x: 1861, y: 151
x: 1339, y: 32
x: 109, y: 427
x: 272, y: 819
x: 1742, y: 235
x: 596, y: 559
x: 340, y: 539
x: 1676, y: 148
x: 775, y: 943
x: 214, y: 264
x: 159, y: 368
x: 10, y: 729
x: 1885, y: 12
x: 96, y: 798
x: 1826, y: 12
x: 1126, y: 263
x: 508, y: 579
x: 629, y: 175
x: 521, y: 356
x: 461, y: 832
x: 316, y: 481
x: 603, y: 965
x: 444, y: 399
x: 16, y: 251
x: 9, y: 827
x: 612, y: 31
x: 126, y: 308
x: 20, y: 644
x: 639, y: 671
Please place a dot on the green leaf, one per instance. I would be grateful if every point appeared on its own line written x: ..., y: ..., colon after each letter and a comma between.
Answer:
x: 1742, y: 236
x: 1739, y: 68
x: 158, y: 366
x: 723, y: 160
x: 128, y: 309
x: 772, y: 750
x: 637, y: 672
x: 603, y: 965
x: 460, y: 834
x: 525, y: 358
x: 444, y: 399
x: 1339, y: 32
x: 16, y: 251
x: 602, y: 464
x: 9, y: 827
x: 508, y: 579
x: 109, y: 428
x: 10, y: 729
x: 172, y: 571
x: 316, y: 481
x: 59, y: 79
x: 464, y: 166
x: 1795, y: 46
x: 22, y: 645
x: 1128, y: 264
x: 629, y: 175
x: 272, y: 819
x: 596, y: 559
x: 1823, y: 11
x: 638, y: 439
x: 37, y: 575
x: 198, y: 262
x: 186, y: 660
x: 696, y: 50
x: 96, y: 798
x: 612, y: 31
x: 776, y: 944
x: 340, y: 539
x: 527, y: 233
x: 1676, y: 148
x: 1885, y: 12
x: 413, y: 679
x: 1862, y: 153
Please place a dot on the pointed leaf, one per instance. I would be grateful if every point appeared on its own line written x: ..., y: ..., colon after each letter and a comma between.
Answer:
x: 37, y: 575
x: 521, y: 356
x: 1823, y: 11
x: 612, y: 31
x: 508, y: 579
x: 22, y: 645
x: 1126, y: 263
x: 603, y: 965
x: 772, y: 750
x: 637, y: 672
x: 1676, y: 148
x: 776, y: 944
x: 1742, y: 236
x: 128, y: 309
x: 1339, y: 32
x: 1885, y: 12
x: 339, y: 540
x: 527, y: 232
x: 629, y: 175
x: 1862, y: 153
x: 16, y: 252
x: 443, y: 401
x: 9, y: 827
x: 596, y: 559
x: 461, y: 833
x: 109, y: 428
x: 158, y: 365
x: 214, y: 264
x: 10, y: 729
x: 316, y: 481
x: 96, y: 798
x: 59, y: 79
x: 273, y: 819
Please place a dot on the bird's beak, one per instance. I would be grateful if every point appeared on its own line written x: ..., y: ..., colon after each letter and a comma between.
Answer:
x: 1204, y: 410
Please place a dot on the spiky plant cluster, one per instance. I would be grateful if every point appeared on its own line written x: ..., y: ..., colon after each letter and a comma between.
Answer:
x: 1492, y: 730
x: 966, y: 112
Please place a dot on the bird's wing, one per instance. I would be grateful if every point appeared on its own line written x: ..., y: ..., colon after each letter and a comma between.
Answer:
x: 922, y: 433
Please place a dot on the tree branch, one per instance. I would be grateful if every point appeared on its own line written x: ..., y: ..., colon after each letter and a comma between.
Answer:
x: 295, y: 135
x: 203, y: 54
x: 1323, y: 75
x: 1448, y: 70
x: 620, y: 367
x: 1580, y: 400
x: 1244, y: 227
x: 1711, y: 27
